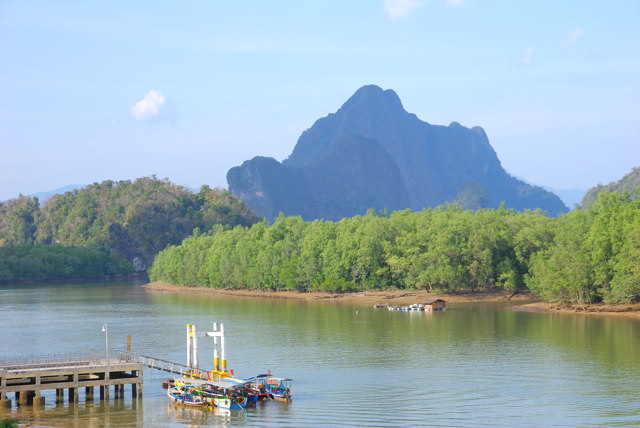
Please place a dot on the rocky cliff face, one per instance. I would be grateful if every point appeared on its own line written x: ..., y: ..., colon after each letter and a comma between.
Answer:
x: 372, y: 153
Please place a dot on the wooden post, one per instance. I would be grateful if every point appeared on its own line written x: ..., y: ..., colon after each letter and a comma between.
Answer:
x: 5, y: 403
x: 38, y: 400
x: 88, y: 392
x: 129, y: 343
x: 23, y: 398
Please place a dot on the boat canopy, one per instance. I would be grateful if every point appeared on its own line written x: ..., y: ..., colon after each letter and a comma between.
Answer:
x: 266, y: 377
x: 220, y: 383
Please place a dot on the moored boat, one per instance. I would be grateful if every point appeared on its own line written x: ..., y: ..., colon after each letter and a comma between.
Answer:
x: 280, y: 388
x: 226, y: 393
x: 229, y: 403
x: 276, y: 388
x: 180, y: 396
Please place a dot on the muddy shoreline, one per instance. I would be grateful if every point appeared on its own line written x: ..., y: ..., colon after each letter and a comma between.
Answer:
x: 631, y: 310
x: 522, y: 301
x: 363, y: 297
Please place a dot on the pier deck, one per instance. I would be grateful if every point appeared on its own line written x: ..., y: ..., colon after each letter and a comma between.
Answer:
x: 27, y: 379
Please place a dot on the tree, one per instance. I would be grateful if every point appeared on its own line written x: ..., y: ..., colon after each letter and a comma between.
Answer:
x: 563, y: 272
x: 17, y: 221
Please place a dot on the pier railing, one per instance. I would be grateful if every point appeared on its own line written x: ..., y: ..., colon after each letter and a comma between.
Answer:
x: 57, y: 361
x: 163, y: 365
x: 44, y: 361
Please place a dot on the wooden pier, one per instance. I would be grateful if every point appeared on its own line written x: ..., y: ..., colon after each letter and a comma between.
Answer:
x: 27, y: 379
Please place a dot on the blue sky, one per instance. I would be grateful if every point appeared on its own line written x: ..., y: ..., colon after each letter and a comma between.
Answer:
x: 91, y: 91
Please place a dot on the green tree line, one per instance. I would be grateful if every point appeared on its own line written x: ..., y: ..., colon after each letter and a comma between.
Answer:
x: 131, y: 220
x: 586, y: 255
x: 594, y: 256
x: 31, y: 262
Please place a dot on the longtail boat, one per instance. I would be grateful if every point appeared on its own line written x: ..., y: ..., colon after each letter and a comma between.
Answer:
x: 277, y: 388
x: 183, y: 397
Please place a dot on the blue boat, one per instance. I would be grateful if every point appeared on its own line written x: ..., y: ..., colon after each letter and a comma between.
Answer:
x: 226, y: 393
x: 178, y: 395
x: 276, y: 388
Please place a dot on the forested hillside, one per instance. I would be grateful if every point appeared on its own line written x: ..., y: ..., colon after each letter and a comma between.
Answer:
x: 128, y: 219
x: 628, y: 183
x: 583, y: 256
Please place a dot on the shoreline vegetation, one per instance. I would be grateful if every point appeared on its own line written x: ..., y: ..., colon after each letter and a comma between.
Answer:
x: 522, y: 300
x: 584, y: 257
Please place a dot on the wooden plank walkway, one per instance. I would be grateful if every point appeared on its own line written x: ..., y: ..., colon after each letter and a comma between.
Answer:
x: 26, y: 379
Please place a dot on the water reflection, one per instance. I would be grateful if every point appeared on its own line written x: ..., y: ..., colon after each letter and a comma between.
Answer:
x: 353, y: 364
x: 98, y: 414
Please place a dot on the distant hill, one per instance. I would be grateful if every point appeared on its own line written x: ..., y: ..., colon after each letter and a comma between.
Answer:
x: 43, y: 196
x: 628, y: 183
x: 372, y: 153
x: 570, y: 197
x: 136, y: 219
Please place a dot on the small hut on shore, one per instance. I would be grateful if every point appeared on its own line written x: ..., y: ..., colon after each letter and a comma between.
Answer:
x: 434, y: 305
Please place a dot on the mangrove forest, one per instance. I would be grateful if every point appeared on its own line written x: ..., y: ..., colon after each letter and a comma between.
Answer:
x: 587, y: 255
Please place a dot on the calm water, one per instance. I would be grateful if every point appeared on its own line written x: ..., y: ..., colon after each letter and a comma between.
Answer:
x: 472, y: 365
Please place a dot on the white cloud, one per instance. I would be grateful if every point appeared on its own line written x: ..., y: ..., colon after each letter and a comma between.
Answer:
x: 574, y: 35
x: 149, y: 106
x: 527, y: 55
x: 401, y: 8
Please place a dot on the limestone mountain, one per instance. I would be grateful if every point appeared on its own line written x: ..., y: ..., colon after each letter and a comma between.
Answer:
x: 372, y: 153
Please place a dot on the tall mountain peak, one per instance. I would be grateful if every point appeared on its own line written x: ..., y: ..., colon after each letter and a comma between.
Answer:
x: 420, y: 164
x: 372, y: 97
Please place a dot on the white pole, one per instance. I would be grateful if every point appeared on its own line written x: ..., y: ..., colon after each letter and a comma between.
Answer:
x: 222, y: 355
x: 216, y: 360
x: 105, y: 328
x: 195, y: 348
x: 189, y: 358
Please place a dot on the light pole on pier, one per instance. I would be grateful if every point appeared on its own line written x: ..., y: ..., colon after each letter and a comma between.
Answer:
x: 105, y: 329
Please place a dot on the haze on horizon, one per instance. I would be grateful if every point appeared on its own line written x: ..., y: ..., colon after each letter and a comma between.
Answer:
x: 121, y: 90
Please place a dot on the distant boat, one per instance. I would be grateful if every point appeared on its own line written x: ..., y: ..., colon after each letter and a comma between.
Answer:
x: 429, y: 305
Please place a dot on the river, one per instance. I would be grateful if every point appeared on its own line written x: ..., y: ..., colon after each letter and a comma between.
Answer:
x: 353, y: 365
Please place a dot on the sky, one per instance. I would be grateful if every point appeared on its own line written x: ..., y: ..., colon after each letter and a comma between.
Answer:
x: 186, y: 90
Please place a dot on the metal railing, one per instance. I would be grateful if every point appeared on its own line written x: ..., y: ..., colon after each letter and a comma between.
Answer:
x: 53, y: 362
x: 58, y: 361
x: 46, y: 359
x: 163, y: 365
